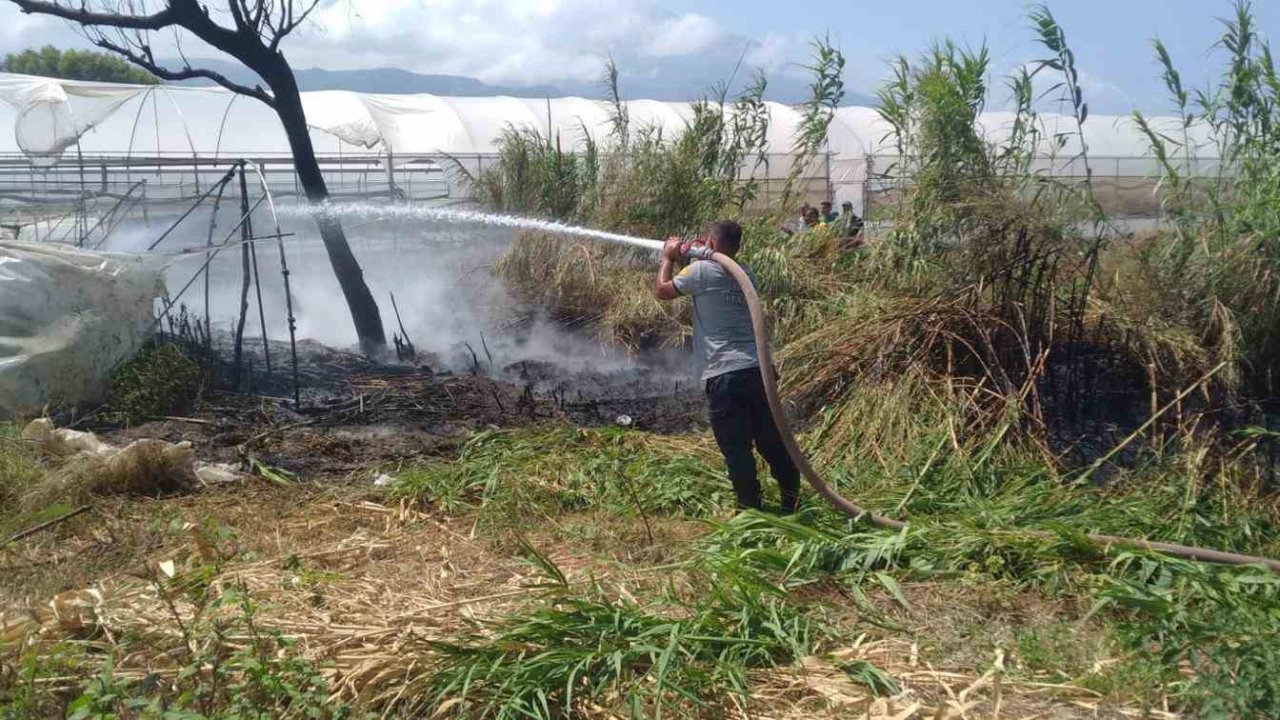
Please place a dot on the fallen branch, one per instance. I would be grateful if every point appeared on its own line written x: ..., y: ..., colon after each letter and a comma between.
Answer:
x: 192, y: 421
x: 49, y: 523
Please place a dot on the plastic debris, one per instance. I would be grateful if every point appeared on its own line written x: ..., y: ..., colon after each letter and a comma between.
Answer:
x: 86, y: 465
x: 213, y: 474
x: 70, y: 317
x: 55, y: 442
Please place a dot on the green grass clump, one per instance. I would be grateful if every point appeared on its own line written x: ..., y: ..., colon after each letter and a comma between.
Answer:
x: 547, y: 663
x: 160, y: 380
x: 559, y: 469
x: 1219, y: 622
x: 680, y: 652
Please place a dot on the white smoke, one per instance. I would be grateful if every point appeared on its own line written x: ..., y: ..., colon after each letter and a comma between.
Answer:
x: 436, y: 261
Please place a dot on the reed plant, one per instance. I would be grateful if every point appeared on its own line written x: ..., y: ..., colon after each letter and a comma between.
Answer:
x: 668, y: 657
x: 1216, y: 270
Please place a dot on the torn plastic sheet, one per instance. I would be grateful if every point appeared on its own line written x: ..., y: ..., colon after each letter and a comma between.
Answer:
x: 53, y: 114
x: 68, y: 317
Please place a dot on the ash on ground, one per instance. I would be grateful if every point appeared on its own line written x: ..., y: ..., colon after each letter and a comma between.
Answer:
x: 356, y: 414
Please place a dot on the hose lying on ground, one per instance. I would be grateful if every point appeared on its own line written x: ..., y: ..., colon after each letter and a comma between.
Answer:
x: 858, y: 513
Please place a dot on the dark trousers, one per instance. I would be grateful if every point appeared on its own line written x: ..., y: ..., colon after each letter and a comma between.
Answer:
x: 739, y: 418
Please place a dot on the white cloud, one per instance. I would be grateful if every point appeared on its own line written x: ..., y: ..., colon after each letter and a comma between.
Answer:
x: 504, y: 41
x: 684, y: 35
x: 507, y: 42
x: 19, y: 31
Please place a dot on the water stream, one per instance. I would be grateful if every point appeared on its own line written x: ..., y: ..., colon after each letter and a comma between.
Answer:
x: 424, y: 213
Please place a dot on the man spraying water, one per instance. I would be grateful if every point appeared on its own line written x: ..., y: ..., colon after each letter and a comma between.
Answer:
x: 727, y: 361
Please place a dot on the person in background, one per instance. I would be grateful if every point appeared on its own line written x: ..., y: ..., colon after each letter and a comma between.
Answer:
x: 812, y: 219
x: 804, y: 214
x: 826, y: 213
x: 728, y: 363
x: 850, y: 223
x: 850, y: 227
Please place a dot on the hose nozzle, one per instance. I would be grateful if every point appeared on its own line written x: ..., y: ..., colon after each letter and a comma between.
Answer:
x: 699, y: 252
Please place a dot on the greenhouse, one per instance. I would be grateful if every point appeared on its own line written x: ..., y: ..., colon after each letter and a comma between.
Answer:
x: 65, y: 136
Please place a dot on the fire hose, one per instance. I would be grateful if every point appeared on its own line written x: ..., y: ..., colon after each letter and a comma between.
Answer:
x: 853, y: 510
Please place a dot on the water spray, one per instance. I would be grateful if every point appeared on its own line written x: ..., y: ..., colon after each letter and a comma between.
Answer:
x: 372, y: 211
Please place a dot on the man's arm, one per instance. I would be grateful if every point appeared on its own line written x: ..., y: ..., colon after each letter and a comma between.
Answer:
x: 663, y: 287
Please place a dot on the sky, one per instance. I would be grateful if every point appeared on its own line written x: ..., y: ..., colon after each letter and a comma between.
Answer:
x: 526, y: 42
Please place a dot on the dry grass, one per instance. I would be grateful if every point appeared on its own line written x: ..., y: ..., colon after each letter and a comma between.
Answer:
x: 144, y: 468
x: 363, y: 588
x: 593, y: 284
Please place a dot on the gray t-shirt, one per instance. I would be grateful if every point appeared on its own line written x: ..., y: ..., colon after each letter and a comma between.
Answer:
x: 723, y: 340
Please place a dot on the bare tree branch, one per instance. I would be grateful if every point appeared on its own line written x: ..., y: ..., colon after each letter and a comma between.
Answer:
x: 146, y: 61
x: 237, y: 15
x: 293, y: 22
x: 259, y: 10
x: 84, y: 16
x: 122, y: 28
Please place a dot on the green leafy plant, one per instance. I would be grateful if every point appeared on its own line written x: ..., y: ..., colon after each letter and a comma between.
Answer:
x: 263, y: 678
x: 160, y: 380
x: 647, y: 658
x: 1219, y: 622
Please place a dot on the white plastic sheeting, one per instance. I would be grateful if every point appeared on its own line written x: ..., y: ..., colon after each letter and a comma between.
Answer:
x: 171, y: 120
x: 341, y: 114
x: 51, y: 115
x: 67, y: 318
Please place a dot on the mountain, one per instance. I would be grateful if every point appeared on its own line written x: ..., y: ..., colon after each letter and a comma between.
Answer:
x: 678, y: 84
x: 387, y: 81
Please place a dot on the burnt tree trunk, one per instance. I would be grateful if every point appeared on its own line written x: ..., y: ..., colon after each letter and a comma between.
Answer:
x: 364, y: 309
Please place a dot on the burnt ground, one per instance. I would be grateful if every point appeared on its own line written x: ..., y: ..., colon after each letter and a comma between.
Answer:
x: 356, y: 414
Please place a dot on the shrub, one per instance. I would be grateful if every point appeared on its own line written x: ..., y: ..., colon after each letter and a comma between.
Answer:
x: 1220, y: 623
x: 160, y: 380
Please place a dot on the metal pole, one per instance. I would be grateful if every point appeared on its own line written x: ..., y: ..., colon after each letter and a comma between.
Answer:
x: 293, y: 325
x: 246, y: 232
x: 288, y: 294
x: 866, y: 186
x: 391, y: 175
x: 84, y: 191
x: 225, y: 179
x: 211, y: 255
x: 213, y: 224
x: 245, y: 270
